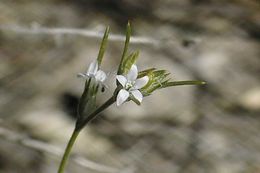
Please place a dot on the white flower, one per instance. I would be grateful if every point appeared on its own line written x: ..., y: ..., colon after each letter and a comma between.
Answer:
x: 94, y: 72
x: 131, y: 85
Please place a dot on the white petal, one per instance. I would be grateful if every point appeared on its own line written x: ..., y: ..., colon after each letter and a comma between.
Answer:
x: 81, y: 75
x: 132, y: 74
x: 93, y: 68
x: 121, y: 79
x: 100, y: 76
x: 122, y: 97
x: 138, y: 95
x: 141, y: 82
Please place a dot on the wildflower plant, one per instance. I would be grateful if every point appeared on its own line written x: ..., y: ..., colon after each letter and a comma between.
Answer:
x: 132, y: 85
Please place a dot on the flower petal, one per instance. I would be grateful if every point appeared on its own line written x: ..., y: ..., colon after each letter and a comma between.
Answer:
x: 81, y: 75
x: 121, y: 79
x: 132, y: 74
x: 141, y: 82
x: 137, y: 95
x: 100, y: 76
x: 122, y: 97
x: 93, y: 68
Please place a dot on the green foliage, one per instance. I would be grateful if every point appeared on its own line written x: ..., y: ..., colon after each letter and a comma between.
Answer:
x: 103, y: 47
x: 159, y: 79
x: 87, y: 102
x: 178, y: 83
x: 121, y: 68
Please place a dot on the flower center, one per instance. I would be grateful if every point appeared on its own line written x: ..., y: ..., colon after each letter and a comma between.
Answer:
x: 129, y: 84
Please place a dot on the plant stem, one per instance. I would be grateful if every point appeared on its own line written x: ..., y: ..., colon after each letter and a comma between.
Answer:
x: 79, y: 126
x: 68, y: 150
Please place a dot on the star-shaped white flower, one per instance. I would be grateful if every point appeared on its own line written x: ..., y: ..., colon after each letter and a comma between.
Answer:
x: 94, y: 72
x: 131, y: 85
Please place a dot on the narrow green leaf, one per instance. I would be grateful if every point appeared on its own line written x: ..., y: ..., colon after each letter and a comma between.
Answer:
x: 176, y: 83
x: 103, y: 45
x: 127, y: 40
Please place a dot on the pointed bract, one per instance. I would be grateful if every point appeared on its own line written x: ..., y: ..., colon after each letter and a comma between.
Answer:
x: 123, y: 58
x: 103, y: 47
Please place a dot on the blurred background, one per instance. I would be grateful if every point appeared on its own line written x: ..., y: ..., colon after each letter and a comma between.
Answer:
x: 190, y: 129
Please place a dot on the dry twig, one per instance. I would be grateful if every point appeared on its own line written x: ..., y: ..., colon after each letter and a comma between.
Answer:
x: 36, y: 29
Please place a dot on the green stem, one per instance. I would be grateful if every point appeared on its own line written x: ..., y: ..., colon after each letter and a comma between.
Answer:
x: 68, y: 150
x: 79, y: 126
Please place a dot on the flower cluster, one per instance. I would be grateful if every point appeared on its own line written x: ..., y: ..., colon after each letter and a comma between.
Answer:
x: 131, y: 86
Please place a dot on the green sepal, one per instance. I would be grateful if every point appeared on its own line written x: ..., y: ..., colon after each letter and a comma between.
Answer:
x: 84, y: 98
x: 102, y: 48
x: 87, y: 102
x: 129, y: 61
x: 159, y: 73
x: 156, y: 78
x: 145, y: 72
x: 124, y: 57
x: 134, y: 100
